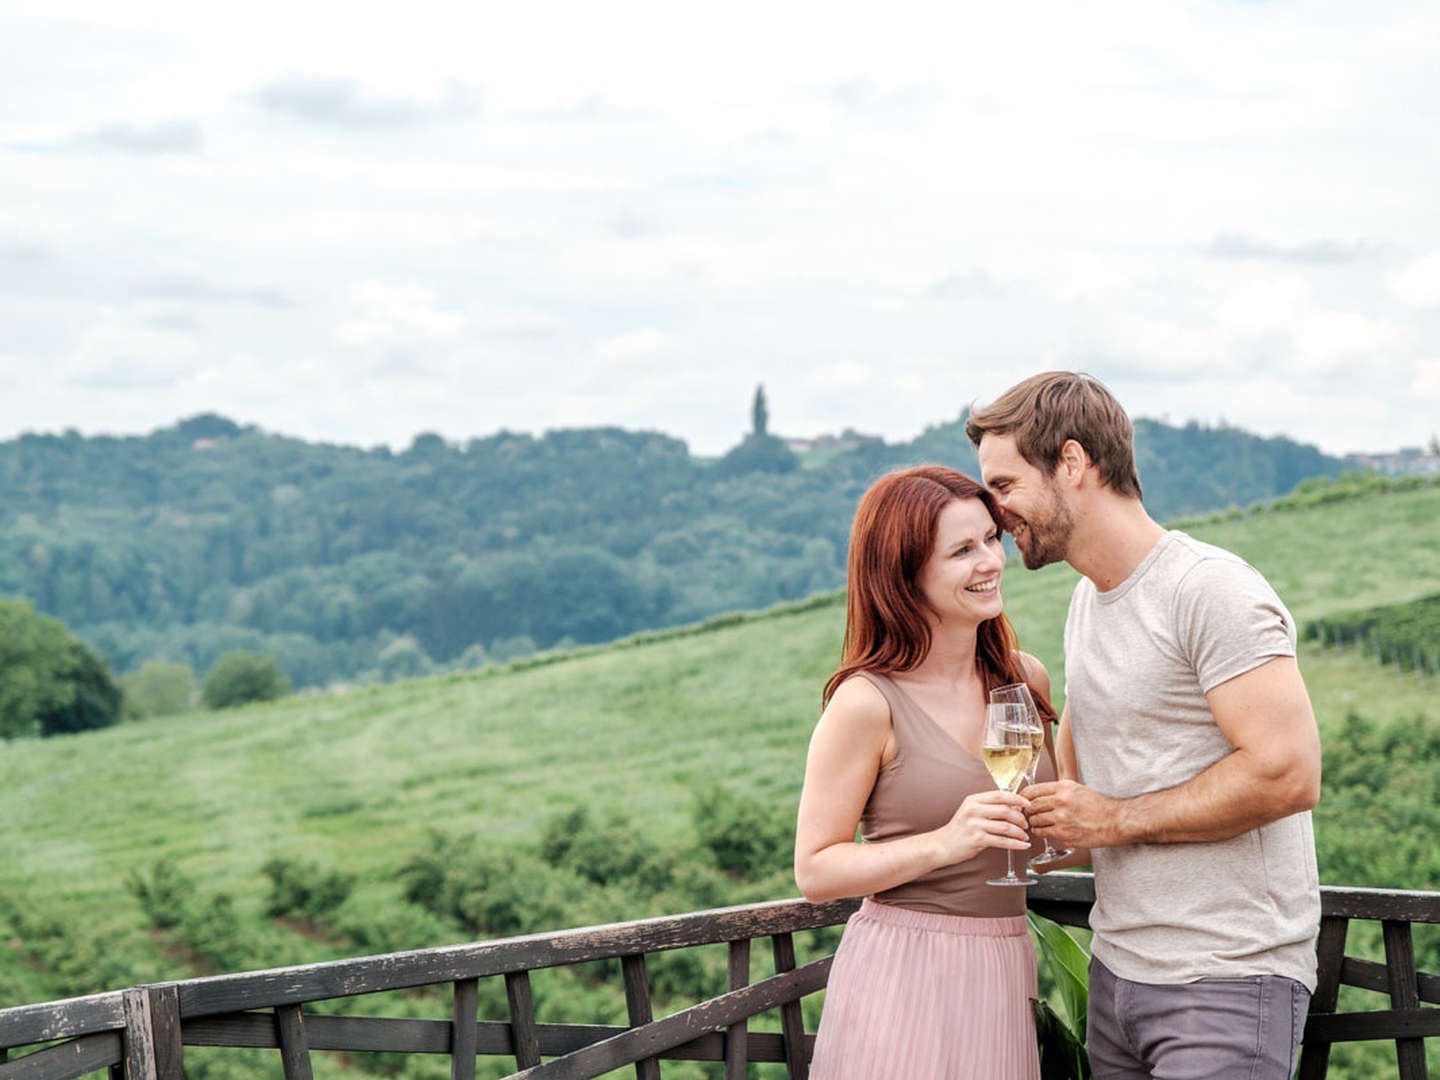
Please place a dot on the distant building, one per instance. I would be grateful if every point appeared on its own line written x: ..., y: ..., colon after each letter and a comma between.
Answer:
x: 1407, y: 461
x: 848, y: 439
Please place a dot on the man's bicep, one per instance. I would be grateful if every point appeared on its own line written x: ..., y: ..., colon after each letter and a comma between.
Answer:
x: 1266, y: 712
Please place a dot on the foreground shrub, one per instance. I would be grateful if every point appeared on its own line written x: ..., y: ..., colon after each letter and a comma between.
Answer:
x: 303, y: 889
x: 746, y: 836
x: 162, y: 893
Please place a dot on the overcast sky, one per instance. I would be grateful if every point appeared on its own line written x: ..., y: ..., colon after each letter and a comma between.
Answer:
x: 458, y: 218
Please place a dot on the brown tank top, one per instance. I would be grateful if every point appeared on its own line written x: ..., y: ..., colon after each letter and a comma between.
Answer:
x: 920, y: 790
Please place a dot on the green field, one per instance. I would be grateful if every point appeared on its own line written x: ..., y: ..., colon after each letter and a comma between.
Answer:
x: 356, y: 781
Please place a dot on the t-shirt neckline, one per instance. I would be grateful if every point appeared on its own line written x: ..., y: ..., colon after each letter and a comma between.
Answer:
x: 1112, y: 595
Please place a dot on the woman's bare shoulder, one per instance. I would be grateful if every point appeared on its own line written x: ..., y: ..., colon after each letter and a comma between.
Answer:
x: 1035, y: 673
x: 860, y: 699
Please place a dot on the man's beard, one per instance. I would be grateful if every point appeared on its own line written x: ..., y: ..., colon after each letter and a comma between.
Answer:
x: 1048, y: 533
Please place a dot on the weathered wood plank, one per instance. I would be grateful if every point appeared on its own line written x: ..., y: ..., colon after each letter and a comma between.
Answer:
x: 375, y: 1034
x: 394, y: 971
x: 1395, y: 904
x: 406, y: 1036
x: 792, y: 1020
x: 139, y: 1037
x: 637, y: 1008
x: 165, y: 1023
x: 1404, y: 994
x: 1368, y: 975
x: 56, y: 1020
x: 524, y: 1035
x: 1330, y: 962
x: 68, y: 1060
x: 737, y: 1035
x: 660, y: 1035
x: 463, y: 1030
x: 294, y: 1049
x: 1368, y: 1026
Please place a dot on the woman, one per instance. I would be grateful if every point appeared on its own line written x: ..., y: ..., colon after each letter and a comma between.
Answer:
x: 935, y: 971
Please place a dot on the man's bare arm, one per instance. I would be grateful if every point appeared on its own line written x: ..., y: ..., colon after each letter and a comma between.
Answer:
x: 1273, y: 772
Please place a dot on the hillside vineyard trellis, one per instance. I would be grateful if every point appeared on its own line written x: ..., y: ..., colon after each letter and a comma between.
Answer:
x: 140, y: 1034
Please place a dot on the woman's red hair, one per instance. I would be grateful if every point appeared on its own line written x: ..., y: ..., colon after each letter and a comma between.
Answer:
x: 887, y: 628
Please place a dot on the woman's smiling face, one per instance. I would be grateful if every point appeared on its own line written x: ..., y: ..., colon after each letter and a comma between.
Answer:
x: 961, y: 578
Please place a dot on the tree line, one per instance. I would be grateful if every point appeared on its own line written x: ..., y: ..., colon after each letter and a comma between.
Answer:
x: 209, y: 537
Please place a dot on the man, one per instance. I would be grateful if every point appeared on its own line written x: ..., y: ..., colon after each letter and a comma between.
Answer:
x: 1188, y: 752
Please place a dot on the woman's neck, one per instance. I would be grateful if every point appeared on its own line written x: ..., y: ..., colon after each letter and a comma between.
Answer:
x: 951, y: 659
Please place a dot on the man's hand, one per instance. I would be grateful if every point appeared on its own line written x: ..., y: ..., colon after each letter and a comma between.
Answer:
x: 1072, y: 815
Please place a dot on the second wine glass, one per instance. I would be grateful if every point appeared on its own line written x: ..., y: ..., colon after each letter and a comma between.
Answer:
x: 1019, y: 694
x: 1008, y: 749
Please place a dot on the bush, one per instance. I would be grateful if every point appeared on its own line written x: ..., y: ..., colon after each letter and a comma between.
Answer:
x: 163, y: 893
x: 239, y: 678
x: 746, y: 836
x: 50, y: 682
x: 303, y: 889
x: 159, y: 688
x: 93, y: 700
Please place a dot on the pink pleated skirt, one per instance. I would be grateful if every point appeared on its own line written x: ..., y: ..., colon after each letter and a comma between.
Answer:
x: 918, y: 996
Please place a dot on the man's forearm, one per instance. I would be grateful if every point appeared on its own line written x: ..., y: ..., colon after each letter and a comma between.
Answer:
x: 1232, y: 796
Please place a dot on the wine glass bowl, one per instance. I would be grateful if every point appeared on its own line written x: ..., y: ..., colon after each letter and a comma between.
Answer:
x: 1009, y: 749
x: 1019, y: 694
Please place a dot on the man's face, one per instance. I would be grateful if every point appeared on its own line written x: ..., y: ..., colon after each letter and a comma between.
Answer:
x: 1035, y: 510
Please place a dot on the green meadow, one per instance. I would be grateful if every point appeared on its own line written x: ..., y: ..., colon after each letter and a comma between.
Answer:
x: 362, y: 783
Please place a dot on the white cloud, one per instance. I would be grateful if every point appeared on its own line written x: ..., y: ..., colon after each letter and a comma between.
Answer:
x: 1133, y: 192
x: 1335, y: 342
x: 1419, y: 283
x: 398, y: 314
x: 636, y: 345
x: 1426, y: 384
x: 1263, y: 304
x: 119, y: 354
x: 843, y: 375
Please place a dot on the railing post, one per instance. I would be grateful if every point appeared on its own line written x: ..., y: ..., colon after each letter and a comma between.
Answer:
x: 637, y: 1005
x: 139, y: 1037
x: 1404, y: 994
x: 792, y: 1020
x: 1329, y: 958
x: 165, y: 1024
x: 462, y: 1029
x: 294, y: 1046
x: 524, y: 1035
x: 737, y: 1037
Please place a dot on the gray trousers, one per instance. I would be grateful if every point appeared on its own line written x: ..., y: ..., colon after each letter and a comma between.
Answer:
x: 1216, y: 1029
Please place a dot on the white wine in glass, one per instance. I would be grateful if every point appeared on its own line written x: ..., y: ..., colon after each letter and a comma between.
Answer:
x: 1009, y: 750
x: 1019, y: 693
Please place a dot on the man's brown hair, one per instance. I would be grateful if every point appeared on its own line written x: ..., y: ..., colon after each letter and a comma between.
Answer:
x: 1047, y: 409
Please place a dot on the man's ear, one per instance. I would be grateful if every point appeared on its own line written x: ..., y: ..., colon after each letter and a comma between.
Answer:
x: 1073, y: 462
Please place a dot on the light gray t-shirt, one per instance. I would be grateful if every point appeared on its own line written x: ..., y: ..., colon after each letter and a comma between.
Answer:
x: 1139, y: 660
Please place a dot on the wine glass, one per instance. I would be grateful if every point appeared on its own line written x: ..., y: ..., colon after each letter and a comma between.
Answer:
x: 1019, y: 693
x: 1008, y: 749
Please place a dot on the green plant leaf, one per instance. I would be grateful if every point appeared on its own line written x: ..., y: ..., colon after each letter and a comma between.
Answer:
x: 1070, y: 965
x: 1062, y: 1055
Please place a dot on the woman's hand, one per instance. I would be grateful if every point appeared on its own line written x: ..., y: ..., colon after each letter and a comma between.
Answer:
x: 986, y: 819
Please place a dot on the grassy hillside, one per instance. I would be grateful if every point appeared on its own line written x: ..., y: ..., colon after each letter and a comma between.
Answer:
x: 355, y: 781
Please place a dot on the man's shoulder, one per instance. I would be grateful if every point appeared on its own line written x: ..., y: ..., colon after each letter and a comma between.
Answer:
x: 1191, y: 563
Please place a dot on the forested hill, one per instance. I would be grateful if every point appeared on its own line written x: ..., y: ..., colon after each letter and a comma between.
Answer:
x: 350, y: 563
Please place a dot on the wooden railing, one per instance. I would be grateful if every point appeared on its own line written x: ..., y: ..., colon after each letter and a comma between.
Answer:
x: 141, y: 1033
